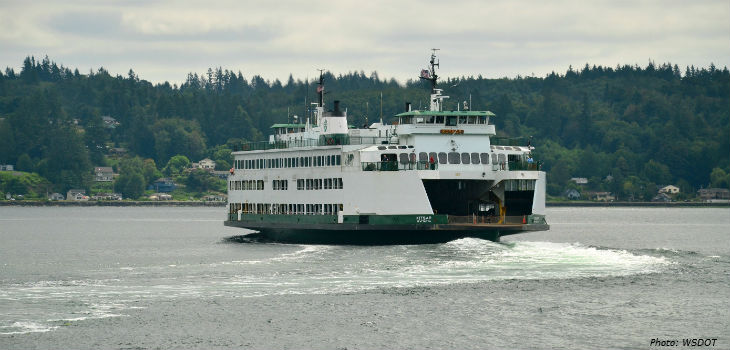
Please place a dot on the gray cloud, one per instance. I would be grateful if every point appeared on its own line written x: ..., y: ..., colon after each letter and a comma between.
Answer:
x: 163, y: 40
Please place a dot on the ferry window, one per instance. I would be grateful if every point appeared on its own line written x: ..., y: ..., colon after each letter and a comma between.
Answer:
x: 475, y: 158
x: 442, y: 158
x: 462, y: 119
x: 300, y: 184
x: 472, y: 119
x: 329, y: 160
x: 339, y: 183
x: 453, y: 158
x: 482, y: 119
x: 423, y: 157
x: 451, y: 121
x: 318, y: 184
x: 501, y: 158
x: 381, y: 148
x: 327, y: 184
x: 403, y: 157
x: 338, y: 159
x: 433, y: 156
x: 494, y: 158
x: 405, y: 119
x: 412, y: 157
x: 439, y: 119
x: 388, y: 157
x: 261, y: 185
x: 392, y: 147
x: 431, y: 119
x: 465, y: 158
x: 309, y: 184
x: 484, y: 157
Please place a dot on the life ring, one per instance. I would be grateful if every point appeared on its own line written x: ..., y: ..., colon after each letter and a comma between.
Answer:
x: 330, y: 141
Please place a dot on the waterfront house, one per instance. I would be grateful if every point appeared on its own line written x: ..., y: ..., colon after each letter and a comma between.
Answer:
x: 109, y: 122
x: 662, y: 197
x: 205, y: 164
x: 107, y: 197
x: 669, y: 189
x: 160, y: 197
x: 601, y: 196
x: 579, y: 180
x: 55, y: 197
x: 103, y: 174
x: 117, y: 152
x: 572, y: 194
x: 163, y: 184
x: 7, y: 167
x: 76, y: 195
x: 215, y: 198
x: 714, y: 194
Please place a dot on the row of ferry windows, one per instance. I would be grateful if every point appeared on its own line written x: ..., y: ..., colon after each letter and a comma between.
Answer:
x: 246, y: 185
x: 446, y: 120
x: 458, y: 158
x: 289, y: 162
x: 334, y: 183
x: 285, y: 209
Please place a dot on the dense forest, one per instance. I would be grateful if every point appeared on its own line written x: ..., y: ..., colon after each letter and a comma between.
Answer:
x: 627, y: 129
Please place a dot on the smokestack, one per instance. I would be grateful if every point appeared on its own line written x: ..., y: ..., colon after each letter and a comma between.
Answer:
x: 408, y: 106
x: 337, y: 109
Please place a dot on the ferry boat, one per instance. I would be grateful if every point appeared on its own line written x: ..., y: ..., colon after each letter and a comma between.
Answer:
x: 430, y: 176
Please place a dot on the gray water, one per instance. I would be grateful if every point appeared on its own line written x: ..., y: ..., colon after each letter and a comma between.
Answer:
x: 148, y: 278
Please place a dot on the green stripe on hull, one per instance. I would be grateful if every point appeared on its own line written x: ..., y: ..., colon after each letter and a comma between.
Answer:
x: 396, y: 219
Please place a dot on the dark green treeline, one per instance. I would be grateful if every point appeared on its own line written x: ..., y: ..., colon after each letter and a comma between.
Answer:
x: 627, y: 129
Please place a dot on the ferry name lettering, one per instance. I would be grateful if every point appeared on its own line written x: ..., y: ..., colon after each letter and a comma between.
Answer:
x: 452, y: 131
x: 423, y: 219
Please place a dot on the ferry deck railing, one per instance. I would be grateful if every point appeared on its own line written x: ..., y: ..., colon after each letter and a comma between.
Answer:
x: 397, y: 166
x: 322, y: 141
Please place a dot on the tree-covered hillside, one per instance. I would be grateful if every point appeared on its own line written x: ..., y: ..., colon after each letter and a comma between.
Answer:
x: 627, y: 129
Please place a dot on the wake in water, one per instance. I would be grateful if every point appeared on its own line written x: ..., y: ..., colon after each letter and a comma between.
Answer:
x: 276, y: 269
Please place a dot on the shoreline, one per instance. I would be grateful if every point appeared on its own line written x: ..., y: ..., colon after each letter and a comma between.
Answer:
x: 32, y: 203
x: 640, y: 204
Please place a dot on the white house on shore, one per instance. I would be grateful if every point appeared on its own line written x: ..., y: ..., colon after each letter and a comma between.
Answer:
x: 669, y: 189
x: 205, y: 164
x: 76, y: 195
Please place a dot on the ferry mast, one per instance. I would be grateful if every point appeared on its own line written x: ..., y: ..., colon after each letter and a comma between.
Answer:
x: 430, y: 74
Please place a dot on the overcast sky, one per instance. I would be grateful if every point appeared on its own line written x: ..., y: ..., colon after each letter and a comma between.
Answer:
x: 163, y: 40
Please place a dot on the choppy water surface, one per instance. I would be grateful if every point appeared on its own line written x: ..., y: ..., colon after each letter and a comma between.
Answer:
x: 176, y: 278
